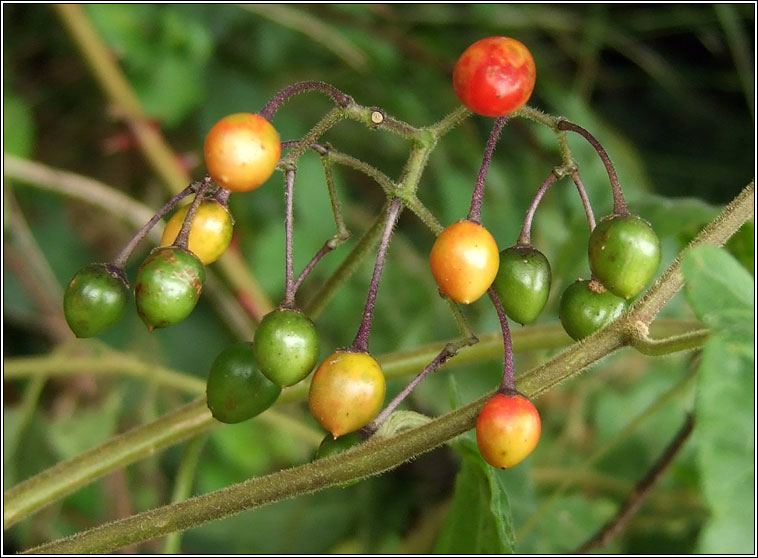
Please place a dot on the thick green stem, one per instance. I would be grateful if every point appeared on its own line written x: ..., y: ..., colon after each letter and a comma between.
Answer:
x: 185, y: 478
x: 59, y: 480
x: 67, y: 476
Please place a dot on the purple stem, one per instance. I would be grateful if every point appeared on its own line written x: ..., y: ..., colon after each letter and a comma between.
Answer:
x: 222, y: 196
x: 122, y: 257
x: 619, y: 204
x: 475, y: 212
x: 585, y: 200
x: 446, y: 354
x: 289, y: 285
x: 182, y: 239
x: 360, y: 343
x: 276, y: 101
x: 508, y: 385
x: 525, y: 238
x: 328, y: 246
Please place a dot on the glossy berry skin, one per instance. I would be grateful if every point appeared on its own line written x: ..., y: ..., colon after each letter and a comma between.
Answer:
x: 587, y: 307
x: 347, y: 391
x: 168, y: 285
x: 95, y: 299
x: 210, y: 234
x: 507, y: 430
x: 286, y: 346
x: 464, y: 261
x: 495, y: 76
x: 236, y: 389
x: 241, y: 151
x: 624, y: 254
x: 523, y: 282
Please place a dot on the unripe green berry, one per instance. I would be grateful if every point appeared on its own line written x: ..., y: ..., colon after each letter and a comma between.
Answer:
x: 236, y: 389
x: 168, y: 285
x: 95, y: 299
x: 624, y: 254
x: 586, y: 306
x: 286, y: 346
x: 523, y: 282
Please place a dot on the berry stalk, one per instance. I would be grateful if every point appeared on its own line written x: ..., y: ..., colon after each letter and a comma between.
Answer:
x: 508, y: 384
x: 289, y: 281
x: 182, y: 239
x: 285, y: 94
x: 619, y: 204
x: 475, y: 211
x: 123, y: 256
x: 360, y: 343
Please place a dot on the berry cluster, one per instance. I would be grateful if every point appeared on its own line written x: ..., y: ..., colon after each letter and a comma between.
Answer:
x: 494, y: 77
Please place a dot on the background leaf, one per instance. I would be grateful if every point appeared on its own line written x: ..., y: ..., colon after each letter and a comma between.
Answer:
x: 718, y: 288
x: 479, y: 520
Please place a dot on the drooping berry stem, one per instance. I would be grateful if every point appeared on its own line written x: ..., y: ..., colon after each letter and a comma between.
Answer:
x: 285, y: 94
x: 508, y: 385
x: 525, y: 238
x: 619, y: 204
x: 289, y: 274
x: 182, y: 239
x: 123, y: 256
x: 475, y: 212
x: 585, y: 199
x: 360, y: 343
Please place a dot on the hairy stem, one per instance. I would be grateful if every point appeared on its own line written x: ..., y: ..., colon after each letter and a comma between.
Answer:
x: 360, y: 343
x: 508, y: 383
x: 475, y: 211
x: 525, y: 238
x: 447, y: 352
x: 123, y: 256
x: 289, y: 273
x: 585, y: 199
x: 619, y: 204
x: 67, y: 476
x: 287, y: 93
x: 185, y: 477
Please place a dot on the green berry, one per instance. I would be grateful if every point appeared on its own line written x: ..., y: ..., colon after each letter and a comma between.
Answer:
x: 95, y: 299
x: 168, y: 286
x: 624, y: 254
x: 333, y: 446
x: 586, y: 306
x: 236, y: 389
x: 286, y: 346
x: 523, y: 282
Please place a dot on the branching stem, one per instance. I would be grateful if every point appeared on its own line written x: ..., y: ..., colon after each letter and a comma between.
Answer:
x: 619, y: 204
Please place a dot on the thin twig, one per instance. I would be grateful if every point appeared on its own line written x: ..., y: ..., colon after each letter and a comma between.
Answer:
x: 619, y: 204
x: 360, y: 343
x: 643, y: 489
x: 475, y: 211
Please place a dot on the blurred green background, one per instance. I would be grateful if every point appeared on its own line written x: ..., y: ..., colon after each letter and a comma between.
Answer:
x: 668, y: 90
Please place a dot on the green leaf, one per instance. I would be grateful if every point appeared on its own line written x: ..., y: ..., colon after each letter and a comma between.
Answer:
x: 720, y: 292
x: 479, y: 520
x: 84, y: 429
x: 724, y: 419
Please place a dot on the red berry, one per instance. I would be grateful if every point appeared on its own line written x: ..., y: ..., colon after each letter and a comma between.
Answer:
x: 495, y: 76
x: 507, y: 430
